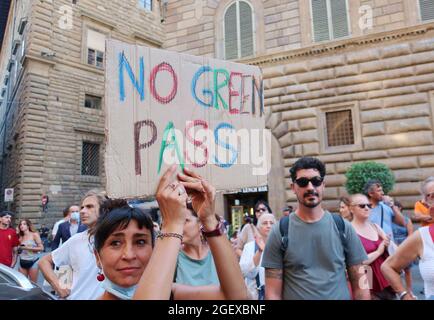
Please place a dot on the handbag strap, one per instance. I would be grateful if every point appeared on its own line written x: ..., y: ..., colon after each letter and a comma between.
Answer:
x: 431, y: 231
x: 382, y: 215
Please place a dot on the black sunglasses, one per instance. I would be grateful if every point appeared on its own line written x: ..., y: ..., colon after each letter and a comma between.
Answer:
x: 303, y: 182
x: 363, y: 205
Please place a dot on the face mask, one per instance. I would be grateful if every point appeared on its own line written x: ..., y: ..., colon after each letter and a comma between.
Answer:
x: 118, y: 291
x: 75, y: 216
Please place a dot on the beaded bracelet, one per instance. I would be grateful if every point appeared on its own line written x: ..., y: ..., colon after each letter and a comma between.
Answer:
x: 162, y: 235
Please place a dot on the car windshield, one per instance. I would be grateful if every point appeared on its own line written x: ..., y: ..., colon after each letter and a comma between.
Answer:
x: 6, y: 279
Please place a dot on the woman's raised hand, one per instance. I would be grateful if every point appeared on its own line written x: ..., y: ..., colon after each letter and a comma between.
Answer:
x: 202, y: 196
x: 172, y: 199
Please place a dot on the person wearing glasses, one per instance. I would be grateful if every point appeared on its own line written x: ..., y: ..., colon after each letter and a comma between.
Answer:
x: 424, y: 209
x: 382, y: 214
x: 314, y: 262
x: 375, y: 242
x: 250, y: 232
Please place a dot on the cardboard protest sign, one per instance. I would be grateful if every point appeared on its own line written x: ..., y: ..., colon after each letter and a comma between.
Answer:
x: 164, y: 107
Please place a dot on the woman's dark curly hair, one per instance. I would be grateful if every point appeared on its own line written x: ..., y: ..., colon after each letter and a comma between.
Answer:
x: 116, y: 214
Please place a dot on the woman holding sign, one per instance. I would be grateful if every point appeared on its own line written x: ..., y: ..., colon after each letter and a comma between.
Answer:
x: 156, y: 281
x: 130, y: 263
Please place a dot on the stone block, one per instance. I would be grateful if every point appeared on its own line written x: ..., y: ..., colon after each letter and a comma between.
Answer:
x: 273, y: 72
x: 406, y: 100
x: 395, y: 113
x: 283, y: 81
x: 424, y: 68
x: 412, y: 175
x: 373, y: 129
x: 273, y: 120
x: 315, y: 76
x: 326, y: 62
x: 298, y: 148
x: 311, y: 149
x: 406, y: 125
x: 363, y: 56
x: 349, y: 70
x: 406, y: 189
x: 333, y: 158
x: 308, y: 123
x: 423, y: 45
x: 409, y: 139
x: 369, y: 155
x: 406, y: 151
x: 396, y: 50
x: 281, y: 129
x: 335, y: 180
x: 372, y: 66
x: 305, y: 136
x: 371, y: 104
x: 426, y: 161
x: 400, y: 163
x: 299, y: 114
x: 286, y: 140
x: 330, y: 193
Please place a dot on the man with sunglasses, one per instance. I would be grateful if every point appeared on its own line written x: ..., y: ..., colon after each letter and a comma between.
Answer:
x: 382, y: 214
x: 314, y: 262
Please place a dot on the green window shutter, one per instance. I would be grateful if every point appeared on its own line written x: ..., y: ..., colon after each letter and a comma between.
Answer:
x: 320, y: 20
x: 339, y: 18
x: 231, y: 48
x: 246, y: 29
x: 426, y: 9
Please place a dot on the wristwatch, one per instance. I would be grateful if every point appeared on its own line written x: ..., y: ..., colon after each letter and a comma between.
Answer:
x: 218, y: 231
x: 402, y: 295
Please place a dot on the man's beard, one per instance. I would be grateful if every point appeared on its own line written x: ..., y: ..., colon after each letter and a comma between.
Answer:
x: 309, y: 204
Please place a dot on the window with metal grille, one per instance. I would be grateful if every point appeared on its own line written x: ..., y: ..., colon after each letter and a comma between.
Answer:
x: 147, y: 4
x: 339, y: 128
x: 90, y: 159
x: 238, y: 30
x: 92, y: 102
x: 426, y: 9
x: 329, y: 19
x: 95, y: 48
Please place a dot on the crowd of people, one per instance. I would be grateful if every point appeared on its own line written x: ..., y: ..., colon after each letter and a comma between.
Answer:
x: 119, y: 251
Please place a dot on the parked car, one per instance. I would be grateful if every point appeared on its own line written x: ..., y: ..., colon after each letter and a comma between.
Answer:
x: 15, y: 286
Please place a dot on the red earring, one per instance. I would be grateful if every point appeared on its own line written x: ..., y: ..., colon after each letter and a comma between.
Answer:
x: 100, y: 277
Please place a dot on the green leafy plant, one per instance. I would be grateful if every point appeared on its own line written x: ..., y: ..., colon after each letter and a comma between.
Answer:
x: 360, y: 173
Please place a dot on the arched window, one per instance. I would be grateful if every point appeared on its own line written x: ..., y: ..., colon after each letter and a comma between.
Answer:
x: 238, y: 30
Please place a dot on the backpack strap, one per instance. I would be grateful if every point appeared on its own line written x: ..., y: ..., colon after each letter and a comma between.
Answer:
x: 283, y: 227
x: 340, y: 224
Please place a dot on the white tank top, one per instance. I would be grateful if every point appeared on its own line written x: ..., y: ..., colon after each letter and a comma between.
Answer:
x: 426, y: 263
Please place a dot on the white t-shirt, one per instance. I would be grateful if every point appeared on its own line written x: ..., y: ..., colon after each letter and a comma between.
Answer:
x: 426, y: 263
x: 250, y: 271
x: 56, y: 227
x: 77, y: 252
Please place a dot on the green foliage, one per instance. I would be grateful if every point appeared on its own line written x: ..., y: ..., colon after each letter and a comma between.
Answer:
x: 360, y: 173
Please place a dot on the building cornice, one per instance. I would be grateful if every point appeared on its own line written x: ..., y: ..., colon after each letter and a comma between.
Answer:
x: 335, y: 46
x: 106, y: 23
x: 146, y: 38
x: 29, y: 57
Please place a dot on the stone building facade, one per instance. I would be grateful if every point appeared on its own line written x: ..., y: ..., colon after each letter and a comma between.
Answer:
x: 381, y: 74
x: 376, y: 78
x: 53, y: 107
